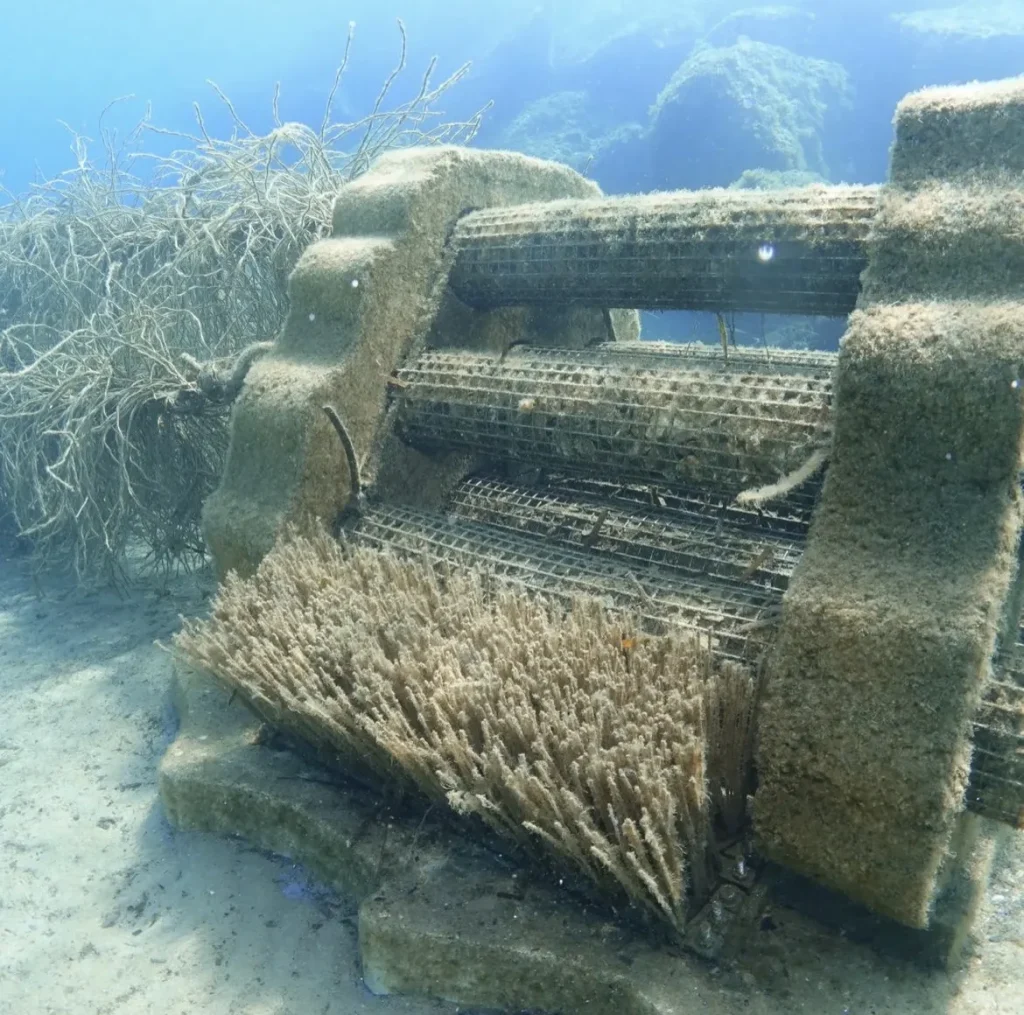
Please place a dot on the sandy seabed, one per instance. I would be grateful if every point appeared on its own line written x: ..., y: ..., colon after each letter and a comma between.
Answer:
x: 104, y: 908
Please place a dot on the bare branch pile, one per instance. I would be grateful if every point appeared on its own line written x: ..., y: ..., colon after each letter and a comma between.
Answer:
x: 121, y: 294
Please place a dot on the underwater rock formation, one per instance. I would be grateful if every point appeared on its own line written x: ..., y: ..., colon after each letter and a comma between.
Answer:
x: 566, y: 127
x: 775, y: 179
x: 966, y: 42
x: 751, y: 105
x: 779, y: 25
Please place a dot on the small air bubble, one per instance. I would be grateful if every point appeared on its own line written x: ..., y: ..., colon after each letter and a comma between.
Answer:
x: 949, y: 456
x: 355, y: 283
x: 1015, y: 384
x: 312, y: 316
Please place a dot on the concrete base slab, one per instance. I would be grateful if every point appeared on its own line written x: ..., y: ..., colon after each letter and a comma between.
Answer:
x: 444, y: 916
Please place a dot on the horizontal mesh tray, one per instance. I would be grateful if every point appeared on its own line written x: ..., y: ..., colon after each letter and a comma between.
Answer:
x: 996, y: 787
x: 694, y: 545
x: 676, y: 423
x: 797, y: 251
x: 736, y: 619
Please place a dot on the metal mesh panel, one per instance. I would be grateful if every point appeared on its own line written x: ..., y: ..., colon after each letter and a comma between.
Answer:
x: 788, y: 516
x: 599, y: 413
x: 695, y: 355
x: 684, y: 563
x: 694, y: 544
x: 734, y: 617
x: 996, y: 787
x: 792, y: 251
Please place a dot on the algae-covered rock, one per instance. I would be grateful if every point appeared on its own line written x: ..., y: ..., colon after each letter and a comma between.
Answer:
x: 992, y: 20
x: 779, y: 24
x: 982, y: 39
x: 750, y: 105
x: 565, y: 127
x: 775, y: 179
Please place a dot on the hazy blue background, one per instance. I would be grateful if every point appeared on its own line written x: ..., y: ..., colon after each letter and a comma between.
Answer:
x: 806, y: 89
x: 69, y: 61
x: 65, y: 60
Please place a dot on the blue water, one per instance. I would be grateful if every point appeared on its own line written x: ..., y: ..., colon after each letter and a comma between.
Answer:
x: 65, y: 62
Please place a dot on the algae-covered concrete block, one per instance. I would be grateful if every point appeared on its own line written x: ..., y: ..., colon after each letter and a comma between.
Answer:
x: 360, y: 301
x: 894, y: 614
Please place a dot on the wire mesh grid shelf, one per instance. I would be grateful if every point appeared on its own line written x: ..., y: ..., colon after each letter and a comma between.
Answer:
x: 701, y: 545
x: 996, y: 786
x: 735, y: 618
x: 798, y: 251
x: 674, y: 427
